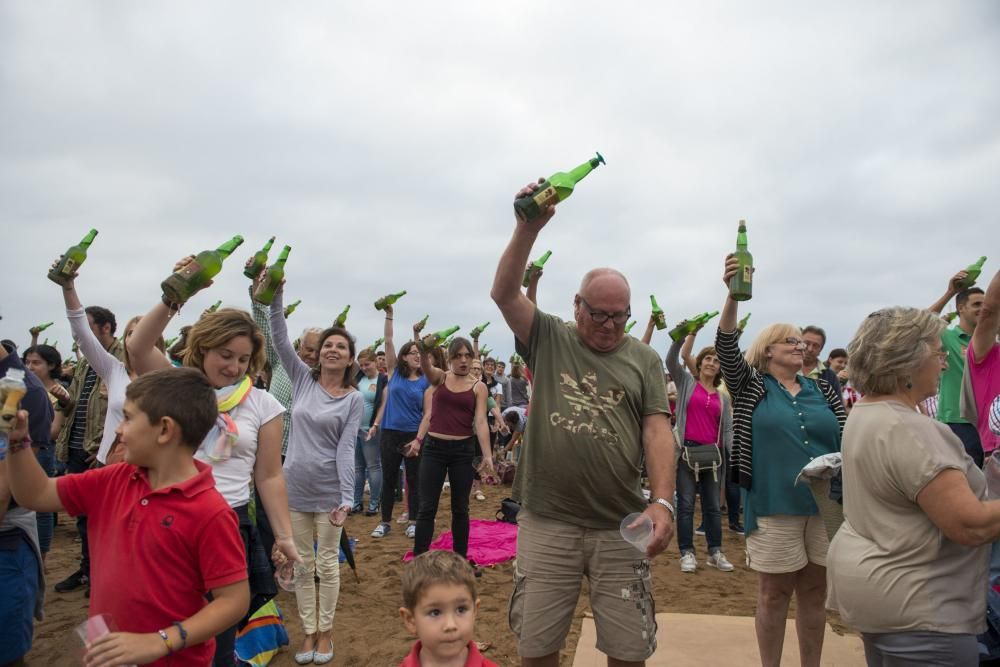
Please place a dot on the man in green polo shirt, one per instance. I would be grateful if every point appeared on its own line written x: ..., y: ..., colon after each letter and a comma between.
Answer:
x: 954, y: 341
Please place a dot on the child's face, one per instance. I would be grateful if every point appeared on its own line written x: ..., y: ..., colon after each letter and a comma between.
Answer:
x: 444, y: 620
x: 136, y: 435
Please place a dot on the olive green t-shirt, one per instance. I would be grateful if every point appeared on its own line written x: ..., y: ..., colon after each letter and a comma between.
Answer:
x: 583, y: 458
x: 954, y: 341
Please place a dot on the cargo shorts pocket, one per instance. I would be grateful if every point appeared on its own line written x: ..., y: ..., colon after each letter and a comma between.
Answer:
x: 515, y: 608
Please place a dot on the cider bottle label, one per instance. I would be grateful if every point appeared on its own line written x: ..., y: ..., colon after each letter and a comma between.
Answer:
x: 748, y: 274
x: 546, y: 196
x: 68, y: 266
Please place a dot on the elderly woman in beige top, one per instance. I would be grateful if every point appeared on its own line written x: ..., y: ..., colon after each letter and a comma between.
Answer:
x: 908, y: 567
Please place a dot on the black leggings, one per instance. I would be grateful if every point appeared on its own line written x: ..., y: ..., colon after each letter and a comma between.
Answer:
x: 438, y: 458
x: 392, y: 443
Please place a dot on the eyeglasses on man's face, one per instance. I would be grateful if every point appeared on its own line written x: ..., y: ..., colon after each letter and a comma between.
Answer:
x: 600, y: 317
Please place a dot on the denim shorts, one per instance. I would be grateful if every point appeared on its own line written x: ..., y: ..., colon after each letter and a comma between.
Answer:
x: 19, y: 583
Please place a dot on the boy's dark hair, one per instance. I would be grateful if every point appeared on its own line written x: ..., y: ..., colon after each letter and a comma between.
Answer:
x: 102, y: 316
x: 435, y: 567
x: 812, y: 328
x: 837, y: 353
x: 964, y: 295
x: 512, y: 418
x: 183, y: 394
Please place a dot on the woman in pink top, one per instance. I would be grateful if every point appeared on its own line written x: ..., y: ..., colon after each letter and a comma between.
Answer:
x: 983, y: 363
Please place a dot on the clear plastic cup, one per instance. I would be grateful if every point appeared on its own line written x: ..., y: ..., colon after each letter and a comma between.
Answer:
x: 94, y: 628
x: 637, y: 535
x: 289, y: 574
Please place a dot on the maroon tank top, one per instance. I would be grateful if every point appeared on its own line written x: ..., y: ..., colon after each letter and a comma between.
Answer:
x: 452, y: 413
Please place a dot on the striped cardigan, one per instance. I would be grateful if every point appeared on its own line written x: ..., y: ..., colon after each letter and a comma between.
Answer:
x: 746, y: 386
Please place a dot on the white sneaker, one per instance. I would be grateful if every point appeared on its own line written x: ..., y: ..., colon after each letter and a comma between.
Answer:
x: 411, y: 531
x: 689, y: 563
x: 718, y: 560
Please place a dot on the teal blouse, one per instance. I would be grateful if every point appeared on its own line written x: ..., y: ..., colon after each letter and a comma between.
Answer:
x: 788, y: 432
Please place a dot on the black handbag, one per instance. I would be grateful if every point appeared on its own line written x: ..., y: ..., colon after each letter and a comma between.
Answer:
x: 508, y: 510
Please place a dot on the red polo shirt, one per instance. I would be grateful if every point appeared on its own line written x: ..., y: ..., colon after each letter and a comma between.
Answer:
x: 154, y: 554
x: 475, y: 658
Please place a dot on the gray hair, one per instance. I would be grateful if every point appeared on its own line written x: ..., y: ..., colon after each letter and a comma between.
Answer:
x: 889, y: 346
x: 310, y: 330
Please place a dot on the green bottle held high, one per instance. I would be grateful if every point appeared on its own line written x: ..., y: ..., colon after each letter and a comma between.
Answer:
x: 71, y: 260
x: 388, y: 300
x: 741, y: 284
x: 694, y: 325
x: 185, y: 283
x: 743, y: 323
x: 169, y: 343
x: 258, y: 261
x: 659, y: 318
x: 628, y: 327
x: 45, y: 342
x: 342, y: 318
x: 485, y: 352
x: 39, y: 328
x: 268, y: 287
x: 535, y: 267
x: 478, y: 331
x: 290, y: 308
x: 555, y: 189
x: 422, y: 323
x: 375, y: 346
x: 430, y: 341
x: 950, y: 317
x: 973, y: 270
x: 215, y: 306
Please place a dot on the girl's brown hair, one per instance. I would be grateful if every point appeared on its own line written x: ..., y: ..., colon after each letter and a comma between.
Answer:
x: 216, y: 329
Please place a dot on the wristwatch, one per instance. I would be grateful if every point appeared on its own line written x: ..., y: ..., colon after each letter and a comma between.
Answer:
x: 666, y: 503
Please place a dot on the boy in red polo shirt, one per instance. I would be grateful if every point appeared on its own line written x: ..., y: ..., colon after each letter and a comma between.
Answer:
x: 162, y: 537
x: 440, y: 606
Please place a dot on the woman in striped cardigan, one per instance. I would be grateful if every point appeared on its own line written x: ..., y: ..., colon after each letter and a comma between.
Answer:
x: 781, y: 420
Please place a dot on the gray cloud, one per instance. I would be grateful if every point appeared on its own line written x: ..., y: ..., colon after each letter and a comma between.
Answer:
x: 384, y: 145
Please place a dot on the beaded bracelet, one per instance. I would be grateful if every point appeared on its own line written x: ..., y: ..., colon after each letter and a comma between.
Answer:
x: 15, y: 447
x: 166, y: 640
x: 184, y: 634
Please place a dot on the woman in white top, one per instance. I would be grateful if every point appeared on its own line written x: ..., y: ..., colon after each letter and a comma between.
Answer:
x: 246, y: 445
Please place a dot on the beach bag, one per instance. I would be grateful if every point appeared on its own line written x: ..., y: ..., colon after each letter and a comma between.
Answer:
x: 508, y: 510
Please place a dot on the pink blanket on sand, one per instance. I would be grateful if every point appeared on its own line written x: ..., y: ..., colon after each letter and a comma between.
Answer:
x: 490, y: 542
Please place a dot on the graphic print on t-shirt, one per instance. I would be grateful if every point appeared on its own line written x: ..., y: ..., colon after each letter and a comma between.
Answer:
x: 587, y: 407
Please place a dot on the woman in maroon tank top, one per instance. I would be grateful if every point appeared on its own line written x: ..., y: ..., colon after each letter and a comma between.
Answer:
x: 453, y: 432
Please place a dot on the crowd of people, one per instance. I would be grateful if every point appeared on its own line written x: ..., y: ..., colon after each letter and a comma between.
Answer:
x: 237, y: 453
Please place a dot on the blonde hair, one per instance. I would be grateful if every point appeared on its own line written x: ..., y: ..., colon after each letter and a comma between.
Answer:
x: 756, y: 354
x: 889, y: 345
x: 435, y: 567
x: 216, y: 329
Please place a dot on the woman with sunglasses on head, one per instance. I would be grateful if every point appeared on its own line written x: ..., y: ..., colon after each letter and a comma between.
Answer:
x: 448, y: 439
x: 402, y: 410
x: 319, y: 469
x: 245, y: 445
x: 781, y: 421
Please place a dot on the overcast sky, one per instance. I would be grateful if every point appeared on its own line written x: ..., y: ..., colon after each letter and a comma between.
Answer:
x: 384, y: 142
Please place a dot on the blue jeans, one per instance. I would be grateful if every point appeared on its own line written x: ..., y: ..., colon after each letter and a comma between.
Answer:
x: 367, y: 456
x: 708, y: 487
x: 19, y: 583
x: 46, y: 455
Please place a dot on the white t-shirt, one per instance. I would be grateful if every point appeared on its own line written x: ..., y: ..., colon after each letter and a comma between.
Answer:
x: 232, y: 476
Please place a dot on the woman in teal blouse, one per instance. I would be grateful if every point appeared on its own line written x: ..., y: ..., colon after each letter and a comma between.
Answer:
x: 781, y: 420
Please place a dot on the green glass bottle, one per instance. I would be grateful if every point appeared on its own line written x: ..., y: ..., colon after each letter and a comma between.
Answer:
x: 267, y: 287
x: 388, y: 300
x: 478, y: 331
x: 973, y: 270
x: 430, y: 341
x: 628, y: 327
x: 71, y: 260
x: 45, y: 342
x: 950, y: 317
x: 169, y: 343
x: 535, y: 267
x: 743, y: 323
x: 215, y: 306
x: 39, y: 328
x: 185, y: 283
x: 258, y: 261
x: 557, y: 188
x: 691, y: 326
x: 342, y: 318
x: 290, y: 308
x: 485, y: 352
x: 422, y: 323
x: 659, y: 318
x: 741, y: 284
x: 375, y: 346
